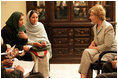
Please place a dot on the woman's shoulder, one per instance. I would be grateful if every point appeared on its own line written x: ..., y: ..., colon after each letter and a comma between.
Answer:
x: 107, y: 24
x: 40, y: 24
x: 6, y: 29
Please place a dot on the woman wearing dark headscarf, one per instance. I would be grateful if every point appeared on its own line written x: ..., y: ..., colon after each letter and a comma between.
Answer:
x: 14, y: 34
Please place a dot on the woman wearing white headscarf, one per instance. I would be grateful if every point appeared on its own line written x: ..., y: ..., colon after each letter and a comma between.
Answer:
x: 36, y: 34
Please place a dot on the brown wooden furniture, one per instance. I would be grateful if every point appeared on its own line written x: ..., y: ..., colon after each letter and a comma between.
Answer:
x: 68, y: 26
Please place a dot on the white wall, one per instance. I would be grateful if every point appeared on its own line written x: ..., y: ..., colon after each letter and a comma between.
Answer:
x: 8, y: 7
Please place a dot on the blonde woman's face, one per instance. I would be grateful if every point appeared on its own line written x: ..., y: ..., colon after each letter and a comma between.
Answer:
x: 93, y: 18
x: 34, y: 18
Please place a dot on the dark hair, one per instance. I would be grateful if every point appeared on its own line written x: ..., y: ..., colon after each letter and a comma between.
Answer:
x: 22, y: 14
x: 32, y: 11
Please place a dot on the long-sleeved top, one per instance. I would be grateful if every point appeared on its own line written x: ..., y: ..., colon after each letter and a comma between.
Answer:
x: 105, y: 37
x: 10, y: 38
x: 3, y: 47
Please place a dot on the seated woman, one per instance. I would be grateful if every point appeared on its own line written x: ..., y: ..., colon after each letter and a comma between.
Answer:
x: 104, y: 40
x: 13, y: 33
x: 37, y: 37
x: 6, y: 62
x: 7, y: 71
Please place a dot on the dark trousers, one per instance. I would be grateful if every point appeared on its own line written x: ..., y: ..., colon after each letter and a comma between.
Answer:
x: 107, y: 68
x: 108, y: 71
x: 35, y: 75
x: 26, y: 57
x: 107, y: 75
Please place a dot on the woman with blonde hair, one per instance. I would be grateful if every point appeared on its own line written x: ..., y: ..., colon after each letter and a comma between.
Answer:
x: 104, y: 40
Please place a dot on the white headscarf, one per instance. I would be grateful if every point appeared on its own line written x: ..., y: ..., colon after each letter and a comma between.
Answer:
x: 35, y: 32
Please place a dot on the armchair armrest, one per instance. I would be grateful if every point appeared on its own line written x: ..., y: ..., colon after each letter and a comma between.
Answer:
x: 98, y: 64
x: 102, y: 54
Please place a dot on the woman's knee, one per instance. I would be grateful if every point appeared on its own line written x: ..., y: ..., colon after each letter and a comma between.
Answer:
x: 85, y: 51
